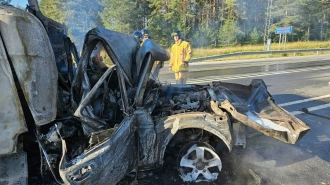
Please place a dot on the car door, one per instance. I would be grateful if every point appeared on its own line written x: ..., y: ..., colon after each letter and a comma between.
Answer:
x: 113, y: 151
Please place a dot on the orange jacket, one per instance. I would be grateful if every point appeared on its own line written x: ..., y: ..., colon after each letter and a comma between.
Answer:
x: 180, y: 56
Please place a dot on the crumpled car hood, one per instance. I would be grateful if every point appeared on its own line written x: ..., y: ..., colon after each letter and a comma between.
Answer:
x: 253, y: 106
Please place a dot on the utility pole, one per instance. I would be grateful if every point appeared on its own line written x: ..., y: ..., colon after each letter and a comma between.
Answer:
x: 268, y: 22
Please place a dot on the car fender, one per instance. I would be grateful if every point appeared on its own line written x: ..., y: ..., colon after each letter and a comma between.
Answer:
x: 219, y: 125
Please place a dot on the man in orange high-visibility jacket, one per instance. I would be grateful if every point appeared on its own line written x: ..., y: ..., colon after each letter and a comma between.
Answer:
x: 180, y: 56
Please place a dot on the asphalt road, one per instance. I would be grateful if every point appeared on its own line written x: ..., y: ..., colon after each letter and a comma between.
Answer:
x: 266, y: 160
x: 253, y: 62
x: 202, y: 69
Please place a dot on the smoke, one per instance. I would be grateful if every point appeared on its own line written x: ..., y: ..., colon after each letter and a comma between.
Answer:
x: 80, y: 17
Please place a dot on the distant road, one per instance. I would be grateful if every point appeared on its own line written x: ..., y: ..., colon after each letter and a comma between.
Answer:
x: 216, y: 68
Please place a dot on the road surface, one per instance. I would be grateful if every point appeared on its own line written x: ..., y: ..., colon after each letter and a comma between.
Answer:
x: 202, y: 69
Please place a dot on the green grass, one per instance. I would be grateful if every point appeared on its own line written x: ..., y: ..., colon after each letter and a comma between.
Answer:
x: 202, y: 52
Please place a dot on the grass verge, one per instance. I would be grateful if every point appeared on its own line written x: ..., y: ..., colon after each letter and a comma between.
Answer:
x: 202, y: 52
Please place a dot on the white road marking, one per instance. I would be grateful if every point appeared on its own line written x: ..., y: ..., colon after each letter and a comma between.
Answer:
x: 240, y: 76
x: 312, y: 109
x: 304, y: 100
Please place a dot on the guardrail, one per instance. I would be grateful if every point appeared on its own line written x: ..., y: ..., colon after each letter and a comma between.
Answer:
x: 259, y: 53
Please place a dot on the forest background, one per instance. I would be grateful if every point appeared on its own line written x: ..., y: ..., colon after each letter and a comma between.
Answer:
x: 204, y: 23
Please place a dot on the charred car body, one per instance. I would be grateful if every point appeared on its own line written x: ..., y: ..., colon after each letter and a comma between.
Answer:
x: 94, y: 125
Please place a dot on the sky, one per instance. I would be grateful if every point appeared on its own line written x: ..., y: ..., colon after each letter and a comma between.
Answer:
x: 21, y: 3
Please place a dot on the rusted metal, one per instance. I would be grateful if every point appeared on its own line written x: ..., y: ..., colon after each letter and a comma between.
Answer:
x: 260, y: 112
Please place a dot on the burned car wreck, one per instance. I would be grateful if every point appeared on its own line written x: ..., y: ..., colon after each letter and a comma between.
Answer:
x: 94, y: 125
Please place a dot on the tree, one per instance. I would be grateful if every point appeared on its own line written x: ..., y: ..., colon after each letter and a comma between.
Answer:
x: 204, y: 23
x: 160, y: 30
x: 251, y: 15
x: 254, y: 36
x: 168, y: 16
x: 229, y: 31
x: 51, y: 9
x: 121, y: 15
x: 80, y: 16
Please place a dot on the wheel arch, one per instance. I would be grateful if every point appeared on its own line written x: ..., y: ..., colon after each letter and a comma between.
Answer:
x: 219, y: 126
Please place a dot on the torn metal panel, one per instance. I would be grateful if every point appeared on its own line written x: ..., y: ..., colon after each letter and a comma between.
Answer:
x: 215, y: 108
x: 12, y: 121
x: 33, y: 59
x: 253, y: 106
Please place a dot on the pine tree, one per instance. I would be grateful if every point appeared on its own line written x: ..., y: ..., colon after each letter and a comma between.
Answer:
x: 254, y: 36
x: 229, y: 31
x: 80, y: 17
x: 204, y: 23
x: 51, y: 9
x: 168, y: 16
x: 120, y: 15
